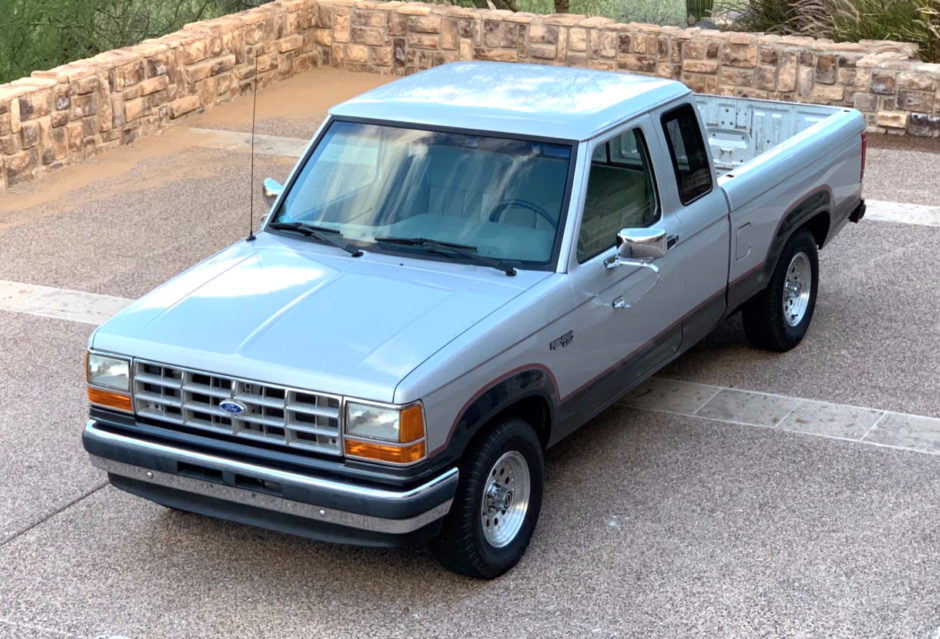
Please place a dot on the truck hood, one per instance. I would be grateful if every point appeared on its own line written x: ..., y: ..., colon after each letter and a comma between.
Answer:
x: 295, y: 313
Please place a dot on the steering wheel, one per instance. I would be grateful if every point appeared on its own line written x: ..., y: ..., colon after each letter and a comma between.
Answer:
x: 500, y: 208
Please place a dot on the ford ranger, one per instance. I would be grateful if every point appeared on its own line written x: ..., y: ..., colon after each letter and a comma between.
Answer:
x: 465, y: 266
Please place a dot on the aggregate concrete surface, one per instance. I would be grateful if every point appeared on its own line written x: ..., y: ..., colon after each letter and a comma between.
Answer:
x: 654, y: 525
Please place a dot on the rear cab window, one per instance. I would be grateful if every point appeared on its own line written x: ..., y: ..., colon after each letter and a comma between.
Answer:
x: 688, y: 153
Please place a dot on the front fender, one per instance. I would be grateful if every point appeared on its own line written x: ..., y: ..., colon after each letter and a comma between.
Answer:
x: 525, y: 387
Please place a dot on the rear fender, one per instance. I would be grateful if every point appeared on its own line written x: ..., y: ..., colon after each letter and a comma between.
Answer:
x: 813, y: 210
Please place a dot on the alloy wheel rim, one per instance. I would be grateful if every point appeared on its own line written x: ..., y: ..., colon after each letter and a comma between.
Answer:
x: 796, y: 289
x: 505, y: 499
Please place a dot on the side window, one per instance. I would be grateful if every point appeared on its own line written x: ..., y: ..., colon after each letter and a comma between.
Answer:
x: 689, y: 156
x: 621, y: 193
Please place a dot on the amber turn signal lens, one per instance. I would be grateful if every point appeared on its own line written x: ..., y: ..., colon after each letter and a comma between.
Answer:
x: 382, y: 452
x: 111, y: 400
x: 411, y: 424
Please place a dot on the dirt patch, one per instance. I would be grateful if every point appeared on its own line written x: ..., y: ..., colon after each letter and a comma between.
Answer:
x: 287, y: 109
x: 305, y: 97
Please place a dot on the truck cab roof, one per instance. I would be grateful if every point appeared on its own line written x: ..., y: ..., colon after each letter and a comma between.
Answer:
x: 520, y: 99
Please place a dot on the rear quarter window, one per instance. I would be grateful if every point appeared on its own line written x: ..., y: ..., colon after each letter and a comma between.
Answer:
x: 688, y: 152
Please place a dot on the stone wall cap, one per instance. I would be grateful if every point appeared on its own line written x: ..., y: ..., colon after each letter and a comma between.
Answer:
x: 9, y: 92
x: 254, y: 16
x: 412, y: 9
x: 463, y: 12
x: 71, y: 72
x: 521, y: 18
x: 909, y: 49
x: 596, y: 21
x: 563, y: 19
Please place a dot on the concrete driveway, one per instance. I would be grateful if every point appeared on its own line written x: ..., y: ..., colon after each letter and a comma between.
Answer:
x: 685, y: 512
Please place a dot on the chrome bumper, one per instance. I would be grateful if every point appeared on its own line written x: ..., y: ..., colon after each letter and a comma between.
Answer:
x: 106, y: 449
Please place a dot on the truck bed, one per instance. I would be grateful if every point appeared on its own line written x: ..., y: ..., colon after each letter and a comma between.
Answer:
x: 740, y: 129
x: 770, y: 156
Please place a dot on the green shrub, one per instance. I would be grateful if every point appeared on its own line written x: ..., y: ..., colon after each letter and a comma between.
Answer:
x: 663, y: 12
x: 916, y: 21
x: 42, y: 34
x: 768, y: 16
x: 699, y: 8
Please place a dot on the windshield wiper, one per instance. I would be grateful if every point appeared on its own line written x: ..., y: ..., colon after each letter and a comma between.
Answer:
x: 462, y: 250
x: 322, y: 233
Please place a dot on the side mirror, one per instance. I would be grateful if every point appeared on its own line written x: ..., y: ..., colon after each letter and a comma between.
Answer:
x: 271, y: 190
x: 639, y: 247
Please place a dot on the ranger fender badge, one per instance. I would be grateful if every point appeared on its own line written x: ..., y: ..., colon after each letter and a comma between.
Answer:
x: 233, y: 407
x: 562, y: 341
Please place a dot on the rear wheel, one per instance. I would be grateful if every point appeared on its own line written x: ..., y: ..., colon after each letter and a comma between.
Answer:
x: 498, y: 500
x: 779, y: 317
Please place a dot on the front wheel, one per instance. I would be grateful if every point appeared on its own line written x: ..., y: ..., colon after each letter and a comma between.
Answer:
x: 779, y: 317
x: 498, y: 500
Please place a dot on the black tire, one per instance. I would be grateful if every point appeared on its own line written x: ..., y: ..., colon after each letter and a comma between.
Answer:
x: 462, y: 546
x: 763, y: 316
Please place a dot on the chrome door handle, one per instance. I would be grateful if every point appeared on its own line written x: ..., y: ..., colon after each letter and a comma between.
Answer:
x: 620, y: 303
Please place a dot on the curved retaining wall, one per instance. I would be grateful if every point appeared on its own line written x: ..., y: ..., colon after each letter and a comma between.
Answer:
x: 69, y: 113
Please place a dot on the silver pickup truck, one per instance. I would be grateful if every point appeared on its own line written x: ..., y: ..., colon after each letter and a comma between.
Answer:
x: 465, y: 266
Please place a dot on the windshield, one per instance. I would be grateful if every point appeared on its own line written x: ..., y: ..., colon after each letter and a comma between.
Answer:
x: 497, y: 197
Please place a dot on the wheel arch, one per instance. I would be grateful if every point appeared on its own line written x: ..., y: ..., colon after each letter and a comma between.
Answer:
x: 814, y: 212
x: 819, y: 225
x: 529, y: 393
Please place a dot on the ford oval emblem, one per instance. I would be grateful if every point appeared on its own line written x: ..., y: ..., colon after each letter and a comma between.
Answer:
x: 233, y: 407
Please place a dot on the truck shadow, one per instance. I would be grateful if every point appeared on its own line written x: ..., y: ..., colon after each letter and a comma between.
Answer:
x: 229, y: 550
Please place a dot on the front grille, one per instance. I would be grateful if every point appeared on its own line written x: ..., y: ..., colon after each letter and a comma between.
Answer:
x: 275, y: 414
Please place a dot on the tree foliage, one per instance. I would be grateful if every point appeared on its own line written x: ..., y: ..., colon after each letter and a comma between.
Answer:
x: 42, y: 34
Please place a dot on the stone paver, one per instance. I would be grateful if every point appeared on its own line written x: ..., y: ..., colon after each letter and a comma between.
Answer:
x: 907, y: 431
x: 832, y: 420
x: 669, y: 395
x: 755, y: 409
x: 75, y: 306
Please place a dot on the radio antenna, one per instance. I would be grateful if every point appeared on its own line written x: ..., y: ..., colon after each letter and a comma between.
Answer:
x: 251, y: 181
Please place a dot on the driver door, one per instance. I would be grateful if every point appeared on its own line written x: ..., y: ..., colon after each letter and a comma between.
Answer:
x: 628, y: 317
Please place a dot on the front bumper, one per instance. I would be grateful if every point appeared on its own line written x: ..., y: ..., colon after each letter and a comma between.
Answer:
x: 304, y: 505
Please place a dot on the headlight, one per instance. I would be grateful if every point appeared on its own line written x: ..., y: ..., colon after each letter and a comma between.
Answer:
x: 373, y: 422
x: 109, y: 372
x: 402, y: 428
x: 387, y: 424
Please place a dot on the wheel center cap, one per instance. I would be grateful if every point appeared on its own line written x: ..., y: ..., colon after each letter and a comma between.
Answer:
x: 499, y: 498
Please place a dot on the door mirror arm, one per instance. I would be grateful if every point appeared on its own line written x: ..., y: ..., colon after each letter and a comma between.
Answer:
x: 614, y: 262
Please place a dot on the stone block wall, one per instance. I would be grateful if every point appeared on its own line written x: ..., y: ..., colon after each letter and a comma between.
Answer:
x: 69, y: 113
